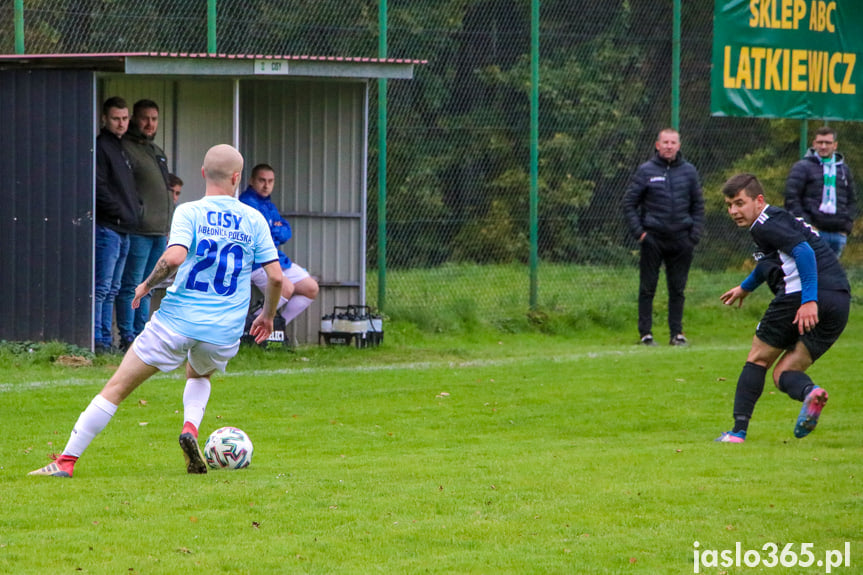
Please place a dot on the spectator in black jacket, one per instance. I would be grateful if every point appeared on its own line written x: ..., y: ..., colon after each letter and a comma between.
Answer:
x: 820, y: 190
x: 118, y: 211
x: 664, y: 210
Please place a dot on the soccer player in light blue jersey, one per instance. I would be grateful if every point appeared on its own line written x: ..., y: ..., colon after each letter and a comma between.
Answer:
x: 213, y: 245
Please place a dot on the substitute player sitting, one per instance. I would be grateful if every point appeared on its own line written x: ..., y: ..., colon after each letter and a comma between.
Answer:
x: 299, y: 289
x: 213, y: 243
x: 807, y: 315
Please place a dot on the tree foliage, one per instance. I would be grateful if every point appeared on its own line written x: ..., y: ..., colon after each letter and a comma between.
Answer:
x: 459, y: 132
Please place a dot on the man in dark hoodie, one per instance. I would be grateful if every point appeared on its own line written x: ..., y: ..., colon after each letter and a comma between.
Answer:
x: 664, y: 210
x: 820, y: 190
x: 146, y: 245
x: 118, y: 212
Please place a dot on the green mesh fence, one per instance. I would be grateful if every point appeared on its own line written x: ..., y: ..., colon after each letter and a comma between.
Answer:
x: 458, y: 133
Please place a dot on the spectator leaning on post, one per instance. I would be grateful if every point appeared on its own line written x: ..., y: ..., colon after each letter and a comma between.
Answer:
x: 146, y: 245
x: 118, y: 211
x: 820, y: 190
x: 664, y: 210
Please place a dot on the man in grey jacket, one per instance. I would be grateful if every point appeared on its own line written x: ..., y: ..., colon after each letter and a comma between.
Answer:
x: 148, y: 242
x: 664, y: 210
x: 820, y: 189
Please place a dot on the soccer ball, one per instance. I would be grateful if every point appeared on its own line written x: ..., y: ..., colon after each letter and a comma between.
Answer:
x: 228, y: 448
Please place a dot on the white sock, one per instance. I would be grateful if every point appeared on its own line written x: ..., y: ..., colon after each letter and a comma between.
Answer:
x: 295, y: 306
x: 90, y: 423
x: 195, y: 398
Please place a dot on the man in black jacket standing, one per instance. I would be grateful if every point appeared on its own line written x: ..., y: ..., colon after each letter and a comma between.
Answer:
x: 118, y: 211
x: 820, y: 190
x: 664, y: 210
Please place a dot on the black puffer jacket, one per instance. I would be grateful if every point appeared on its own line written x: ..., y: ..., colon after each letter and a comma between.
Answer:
x: 117, y: 203
x: 664, y: 199
x: 805, y: 186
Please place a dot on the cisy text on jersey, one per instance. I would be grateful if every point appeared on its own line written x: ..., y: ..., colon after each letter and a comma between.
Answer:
x: 224, y: 220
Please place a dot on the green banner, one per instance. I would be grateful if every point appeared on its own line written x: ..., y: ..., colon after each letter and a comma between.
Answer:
x: 788, y: 59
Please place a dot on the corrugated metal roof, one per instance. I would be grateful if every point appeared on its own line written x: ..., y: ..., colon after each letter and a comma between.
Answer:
x: 203, y: 64
x: 117, y: 56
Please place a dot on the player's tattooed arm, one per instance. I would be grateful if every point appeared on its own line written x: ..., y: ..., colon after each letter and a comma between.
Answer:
x: 170, y: 261
x: 160, y: 273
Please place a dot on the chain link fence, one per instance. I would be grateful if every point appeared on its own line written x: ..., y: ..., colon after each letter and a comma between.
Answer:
x: 458, y: 133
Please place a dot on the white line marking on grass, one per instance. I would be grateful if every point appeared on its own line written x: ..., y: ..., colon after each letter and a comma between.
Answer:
x: 467, y: 363
x: 71, y: 382
x: 413, y: 366
x: 28, y: 385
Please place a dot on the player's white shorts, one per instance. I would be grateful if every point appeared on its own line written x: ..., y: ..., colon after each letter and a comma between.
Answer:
x: 166, y: 350
x: 293, y: 274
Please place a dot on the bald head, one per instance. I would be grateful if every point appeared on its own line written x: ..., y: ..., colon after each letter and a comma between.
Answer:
x: 222, y: 167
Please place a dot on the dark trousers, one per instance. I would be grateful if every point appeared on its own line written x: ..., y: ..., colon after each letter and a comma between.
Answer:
x: 677, y: 255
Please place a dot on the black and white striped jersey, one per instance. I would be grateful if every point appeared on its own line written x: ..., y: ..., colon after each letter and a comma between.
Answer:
x: 776, y: 232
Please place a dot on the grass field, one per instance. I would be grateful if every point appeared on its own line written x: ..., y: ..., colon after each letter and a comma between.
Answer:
x: 572, y: 299
x: 475, y: 453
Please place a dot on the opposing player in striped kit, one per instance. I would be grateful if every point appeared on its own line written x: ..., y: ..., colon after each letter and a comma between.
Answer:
x: 808, y: 313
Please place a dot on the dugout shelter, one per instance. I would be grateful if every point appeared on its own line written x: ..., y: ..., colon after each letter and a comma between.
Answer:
x: 306, y: 116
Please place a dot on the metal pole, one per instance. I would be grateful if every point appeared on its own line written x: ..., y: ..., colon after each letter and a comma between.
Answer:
x: 211, y: 26
x: 19, y: 26
x: 804, y: 137
x: 675, y: 69
x: 235, y: 124
x: 534, y: 152
x: 382, y: 162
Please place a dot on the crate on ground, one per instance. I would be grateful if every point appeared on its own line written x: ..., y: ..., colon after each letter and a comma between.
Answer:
x: 353, y: 325
x: 279, y: 336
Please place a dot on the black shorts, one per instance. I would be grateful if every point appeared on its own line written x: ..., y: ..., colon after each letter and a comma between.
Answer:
x: 777, y: 330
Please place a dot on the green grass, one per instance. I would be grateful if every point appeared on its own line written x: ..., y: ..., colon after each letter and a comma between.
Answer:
x: 469, y: 298
x: 484, y: 452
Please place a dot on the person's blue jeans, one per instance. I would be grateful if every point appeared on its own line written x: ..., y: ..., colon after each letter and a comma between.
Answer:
x: 111, y: 250
x: 144, y: 252
x: 836, y: 241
